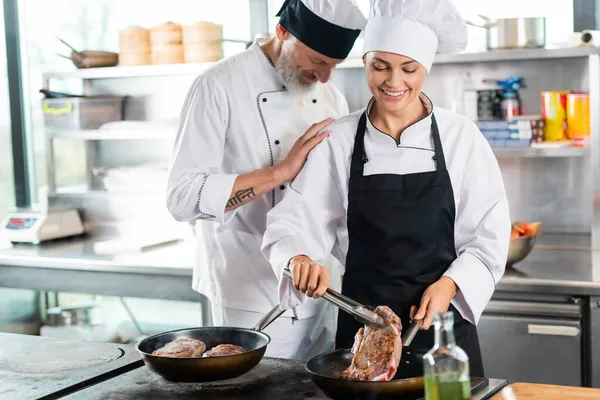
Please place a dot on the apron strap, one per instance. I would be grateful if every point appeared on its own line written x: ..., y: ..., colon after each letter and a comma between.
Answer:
x: 358, y: 155
x: 437, y: 145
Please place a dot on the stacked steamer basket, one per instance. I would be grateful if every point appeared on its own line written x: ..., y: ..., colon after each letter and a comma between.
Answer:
x: 203, y: 42
x: 166, y: 41
x: 134, y: 46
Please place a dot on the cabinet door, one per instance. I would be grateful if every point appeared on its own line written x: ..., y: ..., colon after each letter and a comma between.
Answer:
x: 524, y: 349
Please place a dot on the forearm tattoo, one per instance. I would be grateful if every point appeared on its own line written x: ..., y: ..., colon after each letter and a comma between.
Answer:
x: 240, y: 197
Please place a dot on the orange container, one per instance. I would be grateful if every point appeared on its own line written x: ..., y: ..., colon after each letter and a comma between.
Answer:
x: 578, y: 116
x: 554, y: 113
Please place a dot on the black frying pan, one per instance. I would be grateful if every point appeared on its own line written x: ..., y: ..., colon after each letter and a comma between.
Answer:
x: 211, y: 368
x: 326, y: 370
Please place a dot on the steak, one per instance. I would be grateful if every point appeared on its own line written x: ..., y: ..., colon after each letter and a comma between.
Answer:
x: 376, y: 352
x: 224, y: 350
x: 182, y: 348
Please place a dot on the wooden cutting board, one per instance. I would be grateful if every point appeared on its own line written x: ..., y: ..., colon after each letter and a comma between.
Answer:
x: 534, y: 391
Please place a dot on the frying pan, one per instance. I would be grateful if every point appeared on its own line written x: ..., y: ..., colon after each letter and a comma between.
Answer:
x: 209, y: 369
x: 326, y: 369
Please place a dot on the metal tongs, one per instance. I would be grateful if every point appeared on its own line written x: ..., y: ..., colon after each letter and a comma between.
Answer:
x: 363, y: 314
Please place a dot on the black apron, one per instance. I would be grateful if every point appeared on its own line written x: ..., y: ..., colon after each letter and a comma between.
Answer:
x: 401, y: 232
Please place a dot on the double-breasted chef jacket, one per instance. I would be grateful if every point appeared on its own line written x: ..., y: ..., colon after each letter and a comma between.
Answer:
x: 238, y: 118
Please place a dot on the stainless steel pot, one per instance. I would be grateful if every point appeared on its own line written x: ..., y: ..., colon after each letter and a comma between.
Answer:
x: 86, y: 315
x: 514, y: 33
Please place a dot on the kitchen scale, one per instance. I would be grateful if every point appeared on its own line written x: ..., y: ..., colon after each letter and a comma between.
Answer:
x: 36, y: 226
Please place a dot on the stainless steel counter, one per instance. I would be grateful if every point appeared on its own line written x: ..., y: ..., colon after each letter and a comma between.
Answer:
x: 71, y: 265
x: 560, y: 264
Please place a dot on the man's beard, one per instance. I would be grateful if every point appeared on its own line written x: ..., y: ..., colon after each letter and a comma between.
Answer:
x: 289, y: 76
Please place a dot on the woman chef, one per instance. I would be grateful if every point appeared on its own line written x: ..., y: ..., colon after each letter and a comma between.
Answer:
x: 408, y: 194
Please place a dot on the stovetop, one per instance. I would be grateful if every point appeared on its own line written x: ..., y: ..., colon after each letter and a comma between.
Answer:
x: 271, y: 379
x: 33, y: 367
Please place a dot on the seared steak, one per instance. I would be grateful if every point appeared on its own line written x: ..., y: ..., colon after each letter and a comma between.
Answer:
x: 182, y: 348
x: 376, y: 351
x: 224, y: 350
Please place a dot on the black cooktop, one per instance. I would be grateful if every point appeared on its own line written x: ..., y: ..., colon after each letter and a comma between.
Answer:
x: 271, y: 379
x: 32, y: 367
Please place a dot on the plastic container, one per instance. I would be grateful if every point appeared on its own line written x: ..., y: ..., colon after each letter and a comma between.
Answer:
x: 78, y: 113
x: 510, y: 106
x: 469, y: 98
x: 578, y: 116
x: 554, y: 113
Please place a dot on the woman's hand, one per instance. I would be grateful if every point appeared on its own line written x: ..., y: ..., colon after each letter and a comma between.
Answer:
x: 436, y: 299
x: 309, y: 277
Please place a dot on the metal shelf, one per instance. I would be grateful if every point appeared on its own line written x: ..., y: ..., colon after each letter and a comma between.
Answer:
x: 196, y: 69
x: 110, y: 134
x: 517, y: 55
x: 130, y: 72
x: 549, y: 152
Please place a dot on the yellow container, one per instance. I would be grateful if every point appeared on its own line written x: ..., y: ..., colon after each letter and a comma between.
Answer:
x: 578, y: 115
x: 554, y: 113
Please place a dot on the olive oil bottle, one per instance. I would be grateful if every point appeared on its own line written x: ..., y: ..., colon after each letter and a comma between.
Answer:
x: 446, y: 366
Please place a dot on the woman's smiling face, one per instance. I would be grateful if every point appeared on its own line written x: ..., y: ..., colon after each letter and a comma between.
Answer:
x: 394, y: 80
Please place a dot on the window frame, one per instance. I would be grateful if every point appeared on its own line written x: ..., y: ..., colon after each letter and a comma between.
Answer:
x: 22, y: 181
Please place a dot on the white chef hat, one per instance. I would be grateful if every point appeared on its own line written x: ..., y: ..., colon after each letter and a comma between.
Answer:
x: 329, y: 27
x: 415, y: 29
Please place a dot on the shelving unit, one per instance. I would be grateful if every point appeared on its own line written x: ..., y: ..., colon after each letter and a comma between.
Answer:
x: 586, y: 61
x: 110, y: 134
x: 195, y: 69
x: 534, y: 152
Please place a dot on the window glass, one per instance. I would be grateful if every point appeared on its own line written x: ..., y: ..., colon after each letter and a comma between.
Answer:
x: 95, y: 25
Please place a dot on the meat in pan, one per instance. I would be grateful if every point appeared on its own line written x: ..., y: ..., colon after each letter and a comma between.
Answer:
x: 224, y: 350
x: 182, y: 348
x: 376, y: 352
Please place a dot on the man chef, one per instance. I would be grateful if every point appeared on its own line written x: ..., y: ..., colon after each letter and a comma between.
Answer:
x: 244, y: 133
x: 409, y: 195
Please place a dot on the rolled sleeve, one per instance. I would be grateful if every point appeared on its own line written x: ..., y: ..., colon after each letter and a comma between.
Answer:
x: 197, y: 187
x: 214, y: 195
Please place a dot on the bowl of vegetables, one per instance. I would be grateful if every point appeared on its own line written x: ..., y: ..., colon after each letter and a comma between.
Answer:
x: 522, y: 239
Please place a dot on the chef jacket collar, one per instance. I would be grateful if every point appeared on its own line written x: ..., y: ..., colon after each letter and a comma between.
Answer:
x: 270, y: 72
x: 412, y: 134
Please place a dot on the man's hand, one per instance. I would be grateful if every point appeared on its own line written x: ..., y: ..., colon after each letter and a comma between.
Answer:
x: 436, y: 299
x: 289, y: 167
x: 309, y: 277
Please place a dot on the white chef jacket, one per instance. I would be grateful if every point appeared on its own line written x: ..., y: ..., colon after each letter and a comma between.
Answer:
x: 311, y: 219
x: 237, y: 118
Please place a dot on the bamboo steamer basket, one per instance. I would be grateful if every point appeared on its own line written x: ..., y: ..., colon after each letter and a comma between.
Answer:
x: 166, y: 34
x: 202, y: 32
x: 134, y: 58
x: 168, y: 54
x: 134, y: 39
x: 203, y: 53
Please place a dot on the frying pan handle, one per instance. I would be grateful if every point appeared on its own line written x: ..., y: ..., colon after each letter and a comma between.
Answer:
x: 411, y: 332
x: 268, y: 318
